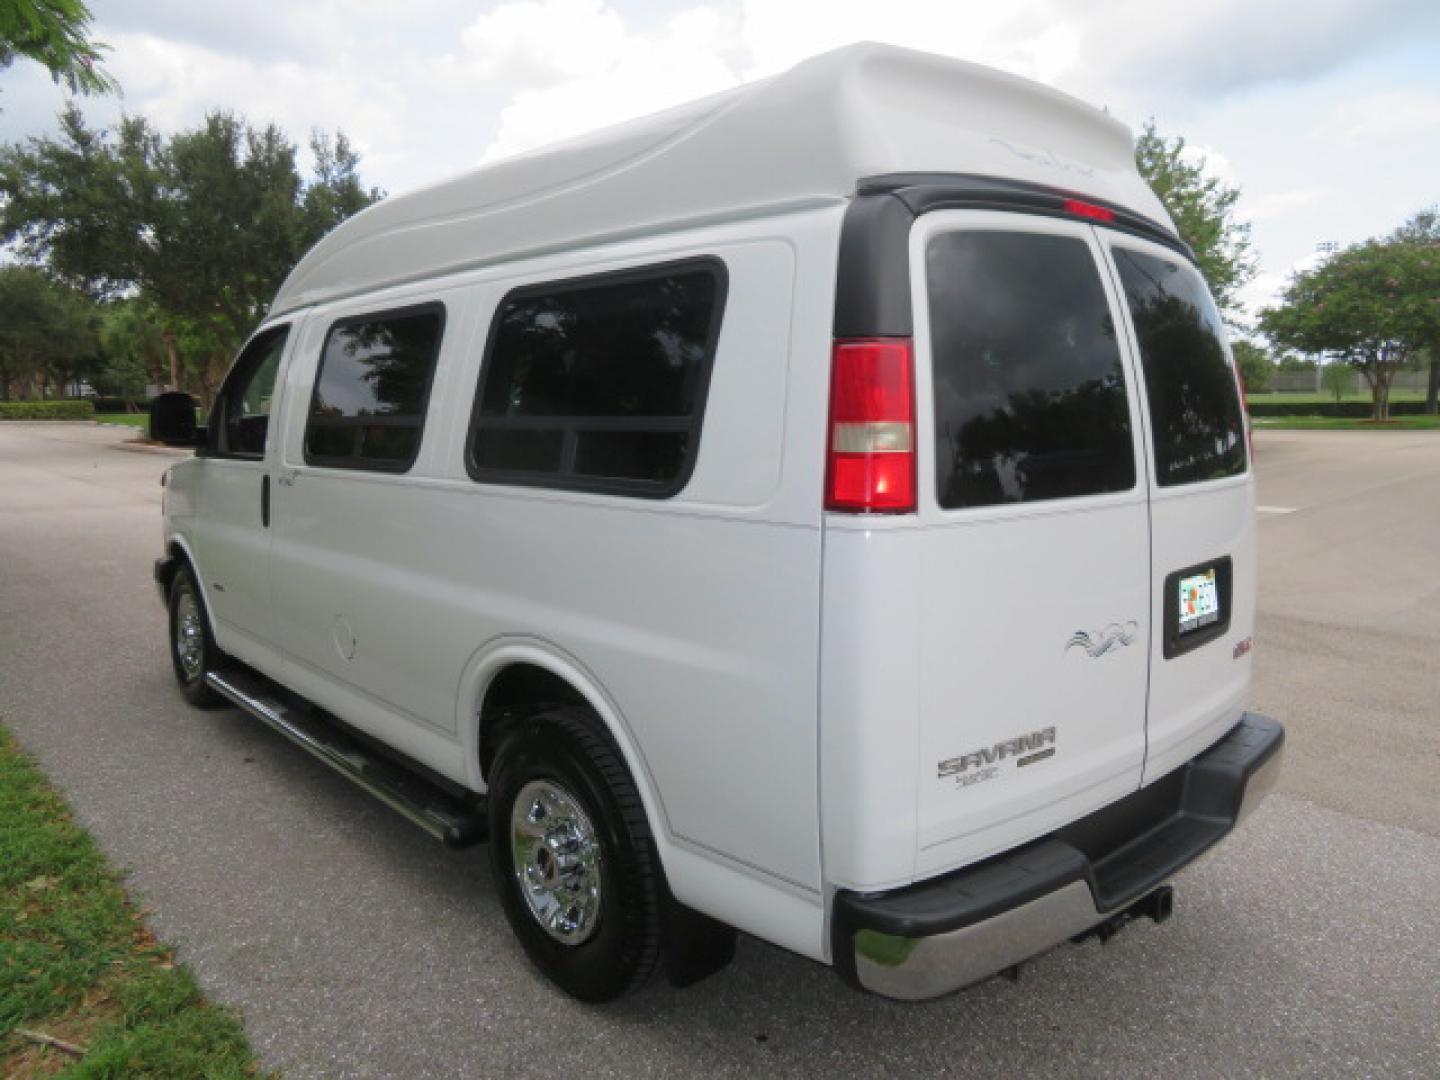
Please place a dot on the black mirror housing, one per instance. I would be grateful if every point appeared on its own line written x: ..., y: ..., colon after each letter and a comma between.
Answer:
x: 173, y: 420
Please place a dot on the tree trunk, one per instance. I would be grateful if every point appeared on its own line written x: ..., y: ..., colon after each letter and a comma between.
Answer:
x: 1382, y: 396
x: 1371, y: 374
x: 173, y: 355
x: 1432, y: 392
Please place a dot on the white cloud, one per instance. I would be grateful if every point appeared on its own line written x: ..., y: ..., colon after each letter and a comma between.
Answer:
x: 540, y: 43
x: 173, y: 84
x: 1383, y: 116
x: 587, y: 69
x: 1279, y: 203
x: 1212, y: 162
x: 1022, y: 37
x: 1226, y: 46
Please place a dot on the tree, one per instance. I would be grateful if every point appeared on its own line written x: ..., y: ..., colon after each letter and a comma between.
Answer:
x: 55, y: 33
x: 1336, y: 379
x: 1255, y: 364
x: 203, y: 225
x: 1203, y: 208
x: 336, y: 192
x: 137, y: 351
x: 1372, y: 306
x: 1423, y: 228
x: 48, y: 332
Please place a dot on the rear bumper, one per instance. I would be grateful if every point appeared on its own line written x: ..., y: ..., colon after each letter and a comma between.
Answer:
x: 940, y: 935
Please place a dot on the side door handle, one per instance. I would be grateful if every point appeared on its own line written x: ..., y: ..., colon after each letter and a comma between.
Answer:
x: 265, y: 500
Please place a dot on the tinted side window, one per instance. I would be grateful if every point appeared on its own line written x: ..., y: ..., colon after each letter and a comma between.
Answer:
x: 368, y: 411
x: 599, y: 384
x: 1195, y: 420
x: 1030, y: 398
x: 242, y: 410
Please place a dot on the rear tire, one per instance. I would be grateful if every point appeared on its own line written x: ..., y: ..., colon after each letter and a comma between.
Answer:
x: 573, y: 857
x: 193, y: 652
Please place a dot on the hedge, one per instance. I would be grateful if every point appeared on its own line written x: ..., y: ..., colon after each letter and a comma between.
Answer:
x: 46, y: 410
x: 120, y: 404
x: 1352, y: 410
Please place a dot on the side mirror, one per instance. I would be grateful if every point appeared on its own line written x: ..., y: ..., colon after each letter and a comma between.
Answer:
x: 172, y: 420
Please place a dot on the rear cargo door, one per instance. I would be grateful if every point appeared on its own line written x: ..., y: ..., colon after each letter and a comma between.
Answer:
x: 1034, y: 544
x: 1202, y: 502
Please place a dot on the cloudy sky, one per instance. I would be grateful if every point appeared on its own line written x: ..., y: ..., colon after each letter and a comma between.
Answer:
x: 1325, y: 112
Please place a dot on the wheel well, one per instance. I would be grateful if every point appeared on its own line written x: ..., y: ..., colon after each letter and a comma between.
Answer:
x: 180, y: 558
x: 519, y: 691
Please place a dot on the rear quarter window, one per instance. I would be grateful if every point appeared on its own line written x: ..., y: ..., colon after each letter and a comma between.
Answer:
x: 1030, y: 399
x: 1196, y: 426
x: 599, y: 384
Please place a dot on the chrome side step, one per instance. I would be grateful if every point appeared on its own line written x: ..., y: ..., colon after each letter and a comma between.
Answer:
x: 444, y: 816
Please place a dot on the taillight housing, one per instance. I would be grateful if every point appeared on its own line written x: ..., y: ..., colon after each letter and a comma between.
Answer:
x: 871, y: 465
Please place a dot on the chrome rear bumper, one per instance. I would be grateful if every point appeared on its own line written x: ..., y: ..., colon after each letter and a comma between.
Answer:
x: 940, y: 935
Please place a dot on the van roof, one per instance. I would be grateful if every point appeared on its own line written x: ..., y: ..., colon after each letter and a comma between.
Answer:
x: 804, y: 137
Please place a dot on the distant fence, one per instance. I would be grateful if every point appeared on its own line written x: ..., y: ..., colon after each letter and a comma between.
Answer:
x: 1359, y: 410
x: 1312, y: 382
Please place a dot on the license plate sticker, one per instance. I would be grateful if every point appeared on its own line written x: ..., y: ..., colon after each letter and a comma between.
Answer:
x: 1199, y: 601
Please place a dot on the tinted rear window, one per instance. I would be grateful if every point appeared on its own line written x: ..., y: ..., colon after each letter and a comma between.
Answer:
x: 1030, y: 398
x: 1195, y: 419
x: 368, y: 411
x: 599, y: 384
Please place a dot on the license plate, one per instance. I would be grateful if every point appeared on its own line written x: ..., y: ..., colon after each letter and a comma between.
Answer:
x: 1197, y: 605
x: 1199, y: 601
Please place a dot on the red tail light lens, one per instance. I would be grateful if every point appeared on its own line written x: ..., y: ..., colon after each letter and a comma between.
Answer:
x: 872, y: 427
x: 1088, y: 210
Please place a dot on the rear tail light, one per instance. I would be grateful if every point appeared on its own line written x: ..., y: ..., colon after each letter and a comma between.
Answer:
x: 871, y: 466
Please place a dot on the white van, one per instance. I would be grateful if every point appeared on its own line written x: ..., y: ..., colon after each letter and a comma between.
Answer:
x: 822, y: 511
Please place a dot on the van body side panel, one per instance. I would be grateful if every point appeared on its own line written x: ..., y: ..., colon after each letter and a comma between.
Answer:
x: 695, y: 615
x: 870, y: 701
x: 351, y: 589
x: 233, y: 543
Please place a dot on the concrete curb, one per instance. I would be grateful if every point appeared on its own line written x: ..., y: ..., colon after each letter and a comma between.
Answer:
x: 135, y: 446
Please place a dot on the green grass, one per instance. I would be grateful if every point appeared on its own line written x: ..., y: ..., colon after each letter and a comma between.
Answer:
x: 1340, y: 423
x: 138, y: 420
x: 77, y: 962
x: 1323, y: 398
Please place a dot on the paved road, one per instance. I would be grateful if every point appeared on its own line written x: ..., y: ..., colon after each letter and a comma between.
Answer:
x: 1306, y: 946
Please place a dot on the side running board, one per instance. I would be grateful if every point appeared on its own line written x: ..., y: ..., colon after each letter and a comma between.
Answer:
x: 446, y: 817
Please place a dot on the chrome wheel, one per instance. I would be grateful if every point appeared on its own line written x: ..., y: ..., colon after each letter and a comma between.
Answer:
x: 189, y: 636
x: 556, y: 855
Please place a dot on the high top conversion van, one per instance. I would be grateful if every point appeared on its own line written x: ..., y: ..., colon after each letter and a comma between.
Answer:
x: 822, y: 511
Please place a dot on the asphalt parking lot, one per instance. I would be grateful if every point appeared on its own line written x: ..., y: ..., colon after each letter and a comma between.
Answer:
x: 1308, y: 945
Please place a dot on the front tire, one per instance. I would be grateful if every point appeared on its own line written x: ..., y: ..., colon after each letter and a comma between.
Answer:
x: 193, y: 652
x: 572, y: 855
